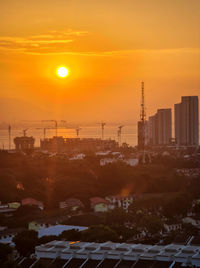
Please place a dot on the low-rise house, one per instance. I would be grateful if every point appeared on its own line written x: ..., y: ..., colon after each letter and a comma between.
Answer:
x: 58, y: 229
x: 6, y: 209
x: 73, y: 204
x: 106, y: 161
x: 99, y: 204
x: 14, y: 205
x: 195, y: 221
x: 7, y: 235
x: 120, y: 201
x: 37, y: 225
x: 131, y: 161
x: 55, y: 229
x: 32, y: 202
x: 169, y: 226
x: 77, y: 157
x: 188, y: 172
x: 102, y: 153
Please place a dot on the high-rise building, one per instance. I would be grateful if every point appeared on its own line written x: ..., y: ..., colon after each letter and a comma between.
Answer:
x: 187, y: 121
x: 164, y: 118
x: 160, y: 127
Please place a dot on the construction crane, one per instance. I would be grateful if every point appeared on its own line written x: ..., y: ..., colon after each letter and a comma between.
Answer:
x: 9, y: 137
x: 119, y: 132
x: 56, y: 124
x: 77, y: 131
x: 24, y: 131
x: 44, y: 130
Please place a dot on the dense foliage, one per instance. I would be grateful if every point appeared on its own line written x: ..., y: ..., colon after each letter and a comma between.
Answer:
x: 54, y: 179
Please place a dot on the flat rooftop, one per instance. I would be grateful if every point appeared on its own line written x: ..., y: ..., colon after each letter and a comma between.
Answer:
x: 116, y: 255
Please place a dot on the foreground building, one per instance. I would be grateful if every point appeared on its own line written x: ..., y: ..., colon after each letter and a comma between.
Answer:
x: 108, y: 254
x: 187, y: 121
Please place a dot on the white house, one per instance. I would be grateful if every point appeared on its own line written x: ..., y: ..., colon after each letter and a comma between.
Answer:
x: 192, y: 220
x: 77, y: 157
x: 172, y: 227
x: 106, y: 161
x: 120, y: 201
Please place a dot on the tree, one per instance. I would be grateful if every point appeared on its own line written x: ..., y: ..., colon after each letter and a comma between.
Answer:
x: 123, y: 232
x: 153, y: 224
x: 5, y: 251
x: 99, y: 233
x: 71, y: 235
x: 47, y: 238
x: 25, y: 242
x: 116, y: 216
x: 177, y: 206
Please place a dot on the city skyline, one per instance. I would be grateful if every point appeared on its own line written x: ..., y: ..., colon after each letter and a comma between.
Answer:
x: 108, y: 48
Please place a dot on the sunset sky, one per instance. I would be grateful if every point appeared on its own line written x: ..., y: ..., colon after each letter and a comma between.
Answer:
x: 108, y: 46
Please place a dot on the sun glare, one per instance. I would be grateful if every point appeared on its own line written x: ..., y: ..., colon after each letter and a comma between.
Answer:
x: 62, y: 72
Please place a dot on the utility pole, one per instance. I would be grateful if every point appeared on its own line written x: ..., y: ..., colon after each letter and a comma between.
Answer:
x: 102, y: 130
x: 77, y: 131
x: 9, y: 137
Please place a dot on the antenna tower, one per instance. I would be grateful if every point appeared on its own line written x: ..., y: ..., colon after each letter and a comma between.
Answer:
x: 142, y: 111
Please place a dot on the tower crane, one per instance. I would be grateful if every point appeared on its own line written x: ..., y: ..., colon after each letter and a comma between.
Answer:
x: 56, y: 124
x: 44, y: 130
x: 24, y: 131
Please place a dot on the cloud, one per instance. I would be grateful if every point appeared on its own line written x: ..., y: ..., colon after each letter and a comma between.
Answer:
x: 60, y: 43
x: 42, y: 43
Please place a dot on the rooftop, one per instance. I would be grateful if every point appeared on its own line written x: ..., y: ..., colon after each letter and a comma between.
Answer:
x: 116, y: 255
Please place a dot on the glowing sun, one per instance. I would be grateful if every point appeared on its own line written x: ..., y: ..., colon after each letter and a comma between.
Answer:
x: 62, y: 72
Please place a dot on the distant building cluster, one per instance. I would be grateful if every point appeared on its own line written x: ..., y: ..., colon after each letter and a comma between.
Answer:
x: 60, y: 144
x: 157, y: 130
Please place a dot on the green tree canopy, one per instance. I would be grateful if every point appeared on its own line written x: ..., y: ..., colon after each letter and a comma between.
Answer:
x: 25, y: 242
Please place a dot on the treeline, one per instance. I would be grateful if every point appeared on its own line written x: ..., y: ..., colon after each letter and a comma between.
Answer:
x: 54, y: 180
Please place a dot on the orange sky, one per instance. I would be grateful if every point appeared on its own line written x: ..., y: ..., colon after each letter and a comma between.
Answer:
x: 109, y: 46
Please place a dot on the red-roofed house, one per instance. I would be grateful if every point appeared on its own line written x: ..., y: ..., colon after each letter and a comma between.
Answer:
x: 71, y: 203
x: 99, y: 204
x: 32, y: 202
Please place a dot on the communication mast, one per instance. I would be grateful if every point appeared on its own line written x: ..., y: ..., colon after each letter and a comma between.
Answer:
x: 142, y: 110
x: 142, y: 125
